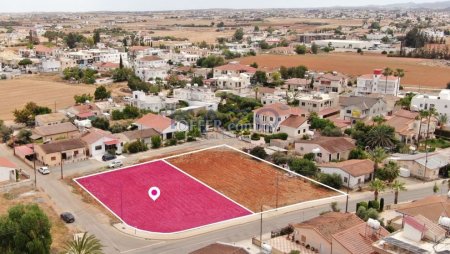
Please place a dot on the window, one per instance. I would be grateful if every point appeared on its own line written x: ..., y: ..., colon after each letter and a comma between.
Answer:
x: 338, y: 155
x: 303, y: 238
x: 298, y: 132
x: 345, y: 179
x: 98, y: 148
x: 319, y: 155
x: 53, y: 158
x: 303, y: 104
x: 349, y: 111
x: 75, y: 153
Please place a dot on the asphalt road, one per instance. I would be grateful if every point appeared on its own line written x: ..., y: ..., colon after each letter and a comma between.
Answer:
x: 91, y: 219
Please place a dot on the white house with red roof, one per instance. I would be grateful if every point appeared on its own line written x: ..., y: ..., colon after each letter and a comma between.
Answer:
x: 330, y: 82
x: 100, y: 142
x: 278, y: 118
x: 151, y: 67
x: 233, y: 69
x: 162, y: 124
x: 377, y: 83
x: 7, y: 170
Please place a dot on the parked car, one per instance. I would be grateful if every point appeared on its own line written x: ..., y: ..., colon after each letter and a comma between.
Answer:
x: 67, y: 217
x: 44, y: 170
x: 108, y: 157
x: 115, y: 164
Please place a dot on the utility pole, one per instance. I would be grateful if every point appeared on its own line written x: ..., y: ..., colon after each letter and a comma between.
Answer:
x: 276, y: 203
x: 34, y: 167
x: 348, y: 188
x: 261, y: 229
x: 62, y: 160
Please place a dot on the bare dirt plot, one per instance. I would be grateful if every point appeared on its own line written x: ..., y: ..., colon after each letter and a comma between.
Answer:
x: 15, y: 93
x: 249, y: 182
x: 60, y: 233
x: 416, y: 73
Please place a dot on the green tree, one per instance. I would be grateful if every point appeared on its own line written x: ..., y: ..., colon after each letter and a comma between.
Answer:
x: 357, y: 154
x: 211, y: 61
x: 5, y: 132
x: 300, y: 49
x: 101, y: 93
x: 314, y: 48
x: 397, y: 186
x: 87, y: 244
x: 259, y: 152
x: 80, y: 99
x: 303, y: 167
x: 405, y: 102
x: 260, y: 77
x: 382, y: 136
x: 25, y: 229
x: 389, y: 172
x: 29, y: 112
x: 377, y: 155
x: 332, y: 180
x: 100, y: 123
x: 377, y: 186
x: 254, y: 65
x: 378, y: 119
x: 156, y: 142
x: 72, y: 39
x: 399, y: 73
x: 24, y: 137
x: 238, y: 34
x: 442, y: 119
x: 197, y: 80
x: 387, y: 72
x: 136, y: 147
x: 96, y: 36
x: 122, y: 74
x: 25, y: 62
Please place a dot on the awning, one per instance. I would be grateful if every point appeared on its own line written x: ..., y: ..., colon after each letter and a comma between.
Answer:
x: 112, y: 142
x: 24, y: 150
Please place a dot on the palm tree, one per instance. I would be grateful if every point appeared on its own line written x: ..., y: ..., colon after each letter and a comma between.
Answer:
x: 378, y: 119
x: 381, y: 135
x: 399, y: 73
x: 377, y: 155
x: 256, y: 89
x: 87, y: 244
x: 442, y: 119
x: 422, y: 115
x: 387, y: 72
x: 397, y: 186
x: 377, y: 186
x: 431, y: 113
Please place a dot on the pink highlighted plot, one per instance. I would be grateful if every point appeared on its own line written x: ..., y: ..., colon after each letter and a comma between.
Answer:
x: 181, y: 204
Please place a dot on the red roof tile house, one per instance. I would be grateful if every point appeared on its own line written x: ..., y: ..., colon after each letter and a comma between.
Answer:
x: 233, y: 69
x: 353, y: 172
x: 278, y: 117
x: 164, y: 125
x: 326, y: 148
x: 100, y: 142
x: 407, y: 125
x: 337, y: 233
x: 84, y: 111
x: 106, y: 66
x: 7, y: 170
x: 330, y: 83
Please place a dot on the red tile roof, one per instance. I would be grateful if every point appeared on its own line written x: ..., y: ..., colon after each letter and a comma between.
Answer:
x: 279, y: 109
x: 331, y: 144
x: 294, y: 121
x: 95, y: 134
x: 106, y: 65
x: 353, y: 167
x: 414, y: 223
x: 157, y: 122
x: 150, y: 58
x: 236, y: 67
x: 42, y: 49
x: 4, y: 162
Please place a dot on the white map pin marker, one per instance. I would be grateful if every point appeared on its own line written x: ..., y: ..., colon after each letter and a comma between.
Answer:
x: 154, y: 193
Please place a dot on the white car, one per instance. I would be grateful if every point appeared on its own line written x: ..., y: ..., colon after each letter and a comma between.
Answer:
x: 44, y: 170
x: 115, y: 164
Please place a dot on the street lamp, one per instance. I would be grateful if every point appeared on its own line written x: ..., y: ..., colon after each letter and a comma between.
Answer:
x: 34, y: 168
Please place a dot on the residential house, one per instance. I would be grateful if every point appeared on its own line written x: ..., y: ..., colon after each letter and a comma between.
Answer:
x: 7, y: 170
x: 164, y: 125
x: 356, y: 108
x: 330, y: 234
x: 295, y: 126
x: 421, y: 165
x: 326, y: 149
x: 151, y: 67
x: 297, y: 84
x: 65, y: 151
x: 354, y: 173
x: 377, y: 83
x: 283, y: 51
x: 197, y: 96
x: 84, y: 111
x: 330, y: 83
x: 407, y: 125
x: 233, y: 69
x: 56, y: 132
x: 49, y: 65
x: 441, y: 103
x: 432, y: 207
x: 105, y: 66
x: 135, y: 135
x: 43, y: 51
x: 317, y: 102
x: 239, y: 83
x: 418, y: 235
x: 50, y: 119
x: 221, y: 248
x: 269, y: 118
x: 100, y: 142
x: 154, y: 103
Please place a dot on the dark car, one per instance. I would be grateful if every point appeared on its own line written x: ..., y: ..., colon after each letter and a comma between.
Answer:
x: 67, y: 217
x: 108, y: 157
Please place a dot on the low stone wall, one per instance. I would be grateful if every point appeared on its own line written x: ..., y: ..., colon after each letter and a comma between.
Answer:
x: 15, y: 185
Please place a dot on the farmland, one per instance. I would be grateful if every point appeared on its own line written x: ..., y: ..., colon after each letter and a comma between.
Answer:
x: 418, y: 72
x: 247, y: 181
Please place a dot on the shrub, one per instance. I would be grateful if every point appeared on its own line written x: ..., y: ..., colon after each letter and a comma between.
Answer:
x: 302, y: 166
x: 255, y: 136
x: 309, y: 156
x: 282, y: 136
x: 136, y: 147
x: 181, y: 135
x: 259, y: 152
x: 280, y: 158
x: 190, y: 139
x: 171, y: 142
x: 372, y: 214
x: 384, y: 52
x: 361, y: 212
x: 332, y: 180
x: 156, y: 142
x: 381, y: 205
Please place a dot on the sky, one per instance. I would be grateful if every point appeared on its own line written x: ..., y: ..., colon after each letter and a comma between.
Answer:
x: 157, y: 5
